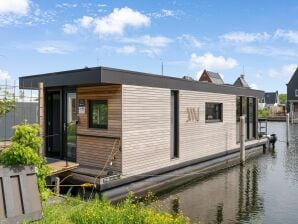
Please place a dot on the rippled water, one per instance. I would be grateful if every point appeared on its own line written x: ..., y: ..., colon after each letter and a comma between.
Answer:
x: 264, y: 191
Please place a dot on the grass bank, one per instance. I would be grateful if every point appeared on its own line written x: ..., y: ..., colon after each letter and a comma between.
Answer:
x: 76, y: 211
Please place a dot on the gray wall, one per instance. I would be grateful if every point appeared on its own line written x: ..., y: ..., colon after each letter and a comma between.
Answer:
x: 23, y: 111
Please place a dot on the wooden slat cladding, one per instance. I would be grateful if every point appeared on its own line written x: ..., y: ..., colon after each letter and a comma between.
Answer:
x: 146, y: 128
x: 94, y: 151
x: 94, y: 145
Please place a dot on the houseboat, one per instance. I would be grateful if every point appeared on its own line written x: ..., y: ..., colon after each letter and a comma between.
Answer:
x: 137, y: 131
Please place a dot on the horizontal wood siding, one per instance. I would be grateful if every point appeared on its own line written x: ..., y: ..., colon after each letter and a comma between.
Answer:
x: 94, y: 145
x: 146, y: 128
x: 94, y: 151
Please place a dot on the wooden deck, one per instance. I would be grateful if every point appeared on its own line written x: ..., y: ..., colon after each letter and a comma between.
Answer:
x: 59, y: 166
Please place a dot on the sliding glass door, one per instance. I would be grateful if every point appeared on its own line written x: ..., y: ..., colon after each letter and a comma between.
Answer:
x: 70, y: 125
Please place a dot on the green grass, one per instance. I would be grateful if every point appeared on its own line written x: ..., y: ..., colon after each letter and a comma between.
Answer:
x: 97, y: 211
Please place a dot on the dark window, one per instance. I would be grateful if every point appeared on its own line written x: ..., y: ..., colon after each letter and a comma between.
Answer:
x: 213, y: 111
x: 98, y: 114
x: 174, y: 124
x: 238, y: 114
x: 248, y: 107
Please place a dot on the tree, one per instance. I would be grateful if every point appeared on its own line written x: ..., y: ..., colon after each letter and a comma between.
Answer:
x: 7, y: 102
x: 282, y: 98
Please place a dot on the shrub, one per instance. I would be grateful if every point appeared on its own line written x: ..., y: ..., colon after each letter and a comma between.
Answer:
x: 27, y: 135
x: 263, y: 113
x: 24, y: 151
x: 75, y: 211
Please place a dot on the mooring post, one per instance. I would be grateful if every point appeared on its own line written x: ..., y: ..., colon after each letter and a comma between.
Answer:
x: 242, y: 140
x: 288, y: 126
x: 57, y: 185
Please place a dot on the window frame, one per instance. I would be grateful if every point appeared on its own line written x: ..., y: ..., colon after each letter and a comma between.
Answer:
x: 296, y: 92
x: 90, y: 114
x: 214, y: 120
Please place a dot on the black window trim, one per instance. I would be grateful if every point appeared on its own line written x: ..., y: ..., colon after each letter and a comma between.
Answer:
x: 90, y: 103
x: 221, y: 113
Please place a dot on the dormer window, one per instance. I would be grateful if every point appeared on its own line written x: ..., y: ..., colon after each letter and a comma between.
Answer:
x: 296, y: 92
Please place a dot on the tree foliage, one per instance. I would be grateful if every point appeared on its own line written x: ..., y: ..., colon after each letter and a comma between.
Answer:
x: 24, y: 150
x: 283, y: 98
x: 7, y: 102
x: 263, y: 113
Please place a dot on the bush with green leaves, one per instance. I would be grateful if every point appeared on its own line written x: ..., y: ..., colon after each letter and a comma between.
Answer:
x: 24, y: 150
x: 263, y: 113
x: 76, y: 211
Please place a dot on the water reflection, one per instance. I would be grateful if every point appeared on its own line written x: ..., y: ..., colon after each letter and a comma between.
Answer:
x: 213, y: 200
x: 291, y: 154
x: 265, y: 190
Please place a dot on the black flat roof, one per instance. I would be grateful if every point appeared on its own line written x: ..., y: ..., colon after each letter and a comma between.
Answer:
x: 104, y: 75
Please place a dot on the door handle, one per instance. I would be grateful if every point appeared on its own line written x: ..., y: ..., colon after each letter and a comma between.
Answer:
x: 64, y: 126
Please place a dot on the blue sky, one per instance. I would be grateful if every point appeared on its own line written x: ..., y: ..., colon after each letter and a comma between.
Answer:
x: 259, y: 37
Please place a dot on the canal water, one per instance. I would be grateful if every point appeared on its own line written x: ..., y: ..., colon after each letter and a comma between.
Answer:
x: 265, y: 190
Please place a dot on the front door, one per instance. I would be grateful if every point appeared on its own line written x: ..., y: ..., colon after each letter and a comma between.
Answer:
x: 61, y: 124
x: 54, y: 124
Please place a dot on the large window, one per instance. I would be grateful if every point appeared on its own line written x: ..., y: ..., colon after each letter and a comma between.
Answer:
x: 213, y: 112
x: 246, y: 106
x: 98, y: 114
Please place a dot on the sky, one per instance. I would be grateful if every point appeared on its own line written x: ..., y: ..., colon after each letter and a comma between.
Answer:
x: 257, y: 38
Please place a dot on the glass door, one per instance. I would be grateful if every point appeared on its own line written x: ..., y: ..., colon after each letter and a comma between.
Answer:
x: 54, y: 127
x: 70, y: 126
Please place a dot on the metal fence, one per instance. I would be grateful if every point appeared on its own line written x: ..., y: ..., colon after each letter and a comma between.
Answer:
x: 24, y: 108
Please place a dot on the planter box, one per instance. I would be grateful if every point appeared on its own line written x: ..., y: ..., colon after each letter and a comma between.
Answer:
x: 19, y: 196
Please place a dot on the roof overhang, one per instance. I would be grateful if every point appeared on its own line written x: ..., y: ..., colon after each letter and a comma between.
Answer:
x: 104, y: 75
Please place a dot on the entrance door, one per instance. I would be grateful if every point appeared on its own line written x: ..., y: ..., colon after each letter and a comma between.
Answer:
x: 70, y: 125
x: 54, y: 124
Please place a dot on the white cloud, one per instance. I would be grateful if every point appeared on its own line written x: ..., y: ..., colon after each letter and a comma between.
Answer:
x: 66, y: 5
x: 32, y: 16
x: 20, y: 7
x: 289, y: 35
x: 102, y: 5
x: 151, y: 52
x: 129, y: 49
x: 243, y: 37
x: 152, y: 45
x: 113, y: 24
x: 54, y: 47
x: 268, y: 51
x: 4, y: 75
x: 254, y: 86
x: 163, y: 13
x: 119, y: 20
x: 190, y: 40
x: 167, y: 12
x: 259, y: 76
x: 70, y: 29
x: 150, y: 41
x: 285, y: 71
x: 86, y: 21
x: 209, y: 61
